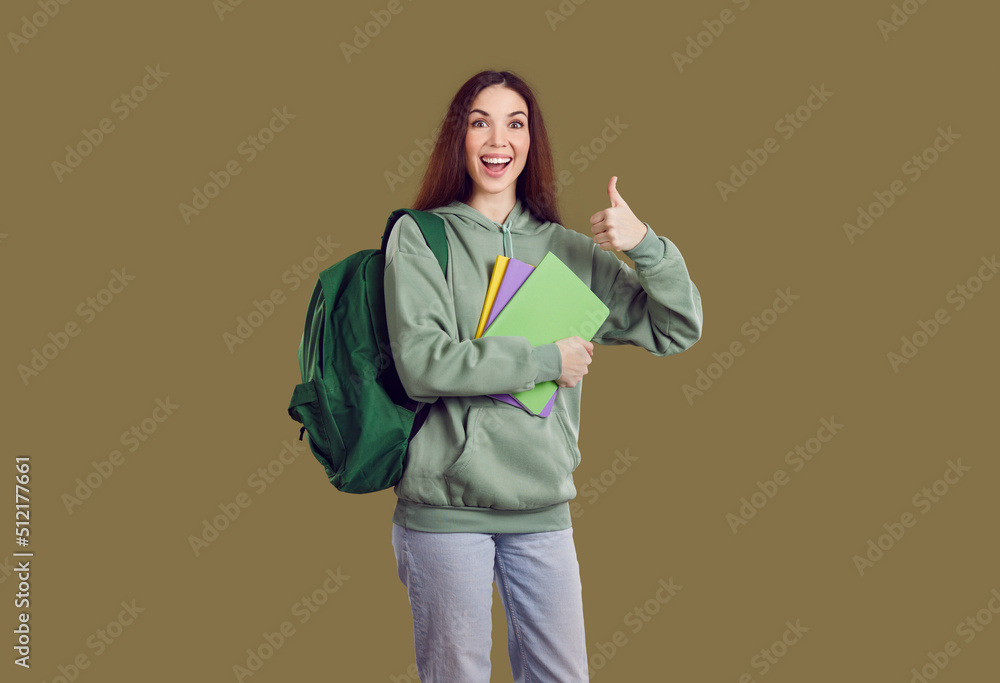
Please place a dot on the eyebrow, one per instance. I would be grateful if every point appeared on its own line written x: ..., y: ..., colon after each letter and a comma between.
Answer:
x: 510, y: 115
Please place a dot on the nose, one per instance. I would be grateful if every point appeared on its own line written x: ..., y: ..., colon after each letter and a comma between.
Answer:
x: 498, y: 136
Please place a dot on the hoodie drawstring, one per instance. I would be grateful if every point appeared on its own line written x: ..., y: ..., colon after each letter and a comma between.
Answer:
x: 508, y: 241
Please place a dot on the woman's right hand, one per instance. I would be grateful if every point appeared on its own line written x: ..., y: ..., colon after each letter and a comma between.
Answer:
x: 577, y: 353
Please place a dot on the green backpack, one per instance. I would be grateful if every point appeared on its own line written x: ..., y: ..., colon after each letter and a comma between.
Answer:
x: 351, y: 403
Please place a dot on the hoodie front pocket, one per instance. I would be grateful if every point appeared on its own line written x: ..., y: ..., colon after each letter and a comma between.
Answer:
x: 513, y: 460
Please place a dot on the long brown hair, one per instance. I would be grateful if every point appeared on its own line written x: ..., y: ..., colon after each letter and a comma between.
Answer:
x: 447, y: 179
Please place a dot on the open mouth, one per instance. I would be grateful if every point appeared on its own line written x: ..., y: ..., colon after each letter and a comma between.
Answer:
x: 495, y: 164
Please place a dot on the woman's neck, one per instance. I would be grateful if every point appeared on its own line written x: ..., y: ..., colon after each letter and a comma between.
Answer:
x: 494, y: 207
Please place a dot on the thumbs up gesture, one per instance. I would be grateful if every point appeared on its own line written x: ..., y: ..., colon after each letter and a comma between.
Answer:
x: 616, y: 228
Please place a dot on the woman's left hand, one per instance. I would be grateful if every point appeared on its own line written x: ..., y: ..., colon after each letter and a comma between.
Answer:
x: 616, y: 228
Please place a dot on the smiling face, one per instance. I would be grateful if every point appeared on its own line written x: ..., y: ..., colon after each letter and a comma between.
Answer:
x: 496, y: 144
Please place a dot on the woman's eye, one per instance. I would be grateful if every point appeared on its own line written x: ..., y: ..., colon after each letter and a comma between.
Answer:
x: 480, y: 123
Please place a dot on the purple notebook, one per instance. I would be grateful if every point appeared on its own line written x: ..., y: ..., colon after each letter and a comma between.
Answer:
x: 513, y: 277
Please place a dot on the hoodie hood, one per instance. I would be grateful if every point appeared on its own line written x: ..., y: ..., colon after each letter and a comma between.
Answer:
x: 520, y: 221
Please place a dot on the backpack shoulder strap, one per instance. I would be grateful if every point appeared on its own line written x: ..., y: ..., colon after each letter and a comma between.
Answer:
x: 431, y: 225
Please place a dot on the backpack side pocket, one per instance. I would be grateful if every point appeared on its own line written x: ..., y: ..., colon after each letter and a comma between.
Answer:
x: 308, y: 405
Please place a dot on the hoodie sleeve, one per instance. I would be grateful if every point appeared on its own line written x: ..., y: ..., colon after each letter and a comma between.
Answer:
x: 655, y: 305
x: 430, y: 358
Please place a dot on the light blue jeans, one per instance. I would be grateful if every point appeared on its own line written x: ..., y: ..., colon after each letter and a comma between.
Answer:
x: 449, y: 579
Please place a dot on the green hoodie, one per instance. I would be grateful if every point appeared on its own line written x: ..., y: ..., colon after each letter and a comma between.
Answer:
x: 478, y: 464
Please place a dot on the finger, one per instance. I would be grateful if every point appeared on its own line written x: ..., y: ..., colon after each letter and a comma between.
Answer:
x: 616, y: 199
x: 597, y: 217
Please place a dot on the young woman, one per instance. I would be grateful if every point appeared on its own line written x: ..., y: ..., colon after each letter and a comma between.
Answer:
x: 485, y: 490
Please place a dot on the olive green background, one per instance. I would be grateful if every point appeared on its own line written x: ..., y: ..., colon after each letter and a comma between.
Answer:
x: 324, y: 176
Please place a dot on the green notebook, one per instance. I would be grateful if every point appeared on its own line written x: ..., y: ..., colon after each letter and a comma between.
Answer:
x: 552, y: 304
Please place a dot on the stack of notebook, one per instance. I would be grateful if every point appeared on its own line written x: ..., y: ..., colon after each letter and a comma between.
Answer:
x: 543, y: 304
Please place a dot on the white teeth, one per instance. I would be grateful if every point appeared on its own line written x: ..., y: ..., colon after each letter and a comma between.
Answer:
x: 496, y: 160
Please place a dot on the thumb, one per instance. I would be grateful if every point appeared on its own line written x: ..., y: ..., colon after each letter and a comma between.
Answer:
x: 616, y: 199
